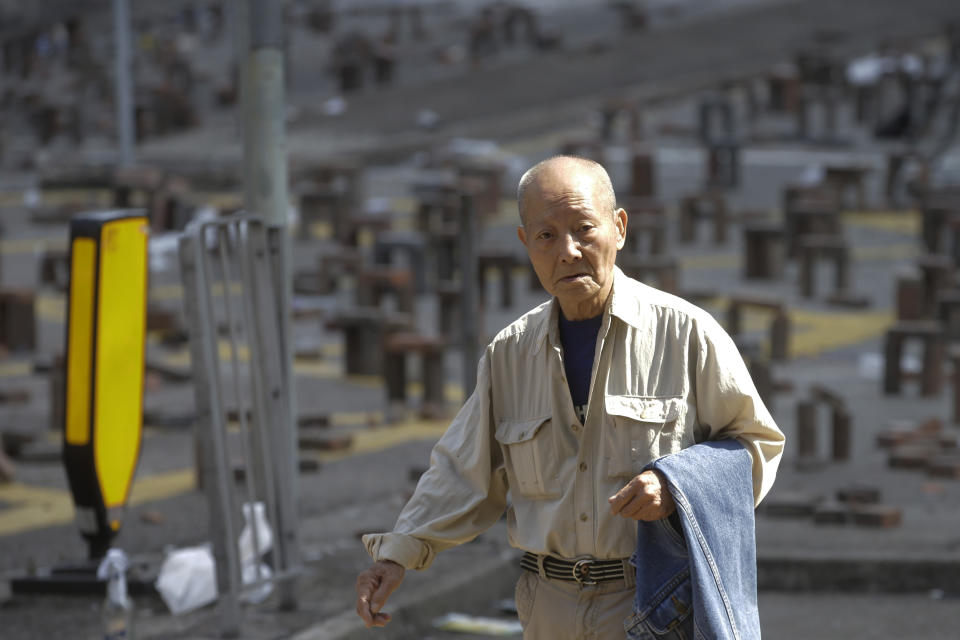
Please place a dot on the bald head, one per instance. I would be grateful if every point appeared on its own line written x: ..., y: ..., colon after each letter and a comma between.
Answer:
x: 567, y: 170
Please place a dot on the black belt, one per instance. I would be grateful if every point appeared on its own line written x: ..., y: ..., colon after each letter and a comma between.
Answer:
x: 586, y: 571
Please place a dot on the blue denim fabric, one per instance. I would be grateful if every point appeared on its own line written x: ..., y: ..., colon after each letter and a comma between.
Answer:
x: 702, y: 584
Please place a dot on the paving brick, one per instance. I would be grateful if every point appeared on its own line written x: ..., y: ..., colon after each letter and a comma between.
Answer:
x: 325, y: 442
x: 945, y: 466
x: 911, y: 456
x: 15, y: 396
x: 832, y: 512
x: 306, y: 421
x: 13, y: 441
x: 308, y: 465
x: 7, y: 470
x: 858, y: 495
x: 879, y: 516
x: 304, y: 465
x: 791, y: 504
x: 908, y: 431
x: 891, y: 438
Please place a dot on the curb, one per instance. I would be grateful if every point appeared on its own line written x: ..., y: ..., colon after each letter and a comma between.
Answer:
x: 865, y: 574
x: 479, y: 578
x: 413, y: 609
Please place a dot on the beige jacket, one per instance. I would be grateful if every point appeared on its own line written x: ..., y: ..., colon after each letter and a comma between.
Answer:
x: 665, y: 376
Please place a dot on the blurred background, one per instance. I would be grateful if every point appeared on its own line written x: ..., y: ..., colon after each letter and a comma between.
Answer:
x: 793, y: 166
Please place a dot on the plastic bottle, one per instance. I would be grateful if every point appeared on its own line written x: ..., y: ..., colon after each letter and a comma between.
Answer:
x: 117, y: 611
x: 251, y: 567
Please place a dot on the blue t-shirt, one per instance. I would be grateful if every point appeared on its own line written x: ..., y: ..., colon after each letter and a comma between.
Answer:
x: 579, y: 340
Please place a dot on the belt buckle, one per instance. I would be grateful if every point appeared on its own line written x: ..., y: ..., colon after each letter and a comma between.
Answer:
x: 581, y: 572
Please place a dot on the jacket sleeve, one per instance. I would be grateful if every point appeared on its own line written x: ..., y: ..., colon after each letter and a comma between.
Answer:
x: 462, y: 494
x: 729, y: 406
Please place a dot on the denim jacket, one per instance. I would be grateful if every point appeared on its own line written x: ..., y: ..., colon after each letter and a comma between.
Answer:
x: 702, y: 584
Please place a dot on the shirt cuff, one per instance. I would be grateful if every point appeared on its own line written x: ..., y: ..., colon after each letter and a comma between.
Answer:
x: 405, y: 550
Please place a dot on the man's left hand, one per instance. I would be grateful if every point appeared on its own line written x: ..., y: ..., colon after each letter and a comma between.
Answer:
x: 646, y: 497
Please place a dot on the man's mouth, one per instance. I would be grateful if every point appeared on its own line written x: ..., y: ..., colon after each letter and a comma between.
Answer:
x: 574, y: 277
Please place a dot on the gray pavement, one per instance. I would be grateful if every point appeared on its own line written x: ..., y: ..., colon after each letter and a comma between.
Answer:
x: 540, y: 93
x: 361, y: 493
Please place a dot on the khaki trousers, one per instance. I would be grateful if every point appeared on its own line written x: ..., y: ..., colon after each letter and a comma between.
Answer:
x: 560, y: 610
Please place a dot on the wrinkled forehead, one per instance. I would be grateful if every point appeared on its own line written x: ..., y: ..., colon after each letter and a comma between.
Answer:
x: 558, y: 189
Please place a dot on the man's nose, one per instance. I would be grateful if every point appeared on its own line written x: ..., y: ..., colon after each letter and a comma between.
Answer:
x: 570, y: 249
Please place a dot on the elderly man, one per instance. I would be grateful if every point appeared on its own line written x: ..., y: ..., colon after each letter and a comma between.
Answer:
x: 574, y: 402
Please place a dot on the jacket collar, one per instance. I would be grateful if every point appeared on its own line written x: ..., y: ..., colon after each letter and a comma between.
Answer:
x: 620, y: 305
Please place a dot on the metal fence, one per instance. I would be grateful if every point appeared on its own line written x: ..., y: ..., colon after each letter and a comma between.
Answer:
x: 235, y: 301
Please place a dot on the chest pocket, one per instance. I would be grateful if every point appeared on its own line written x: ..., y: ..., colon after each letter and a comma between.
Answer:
x: 641, y: 429
x: 530, y: 454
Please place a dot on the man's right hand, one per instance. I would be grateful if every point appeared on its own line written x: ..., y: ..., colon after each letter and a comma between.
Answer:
x: 374, y: 586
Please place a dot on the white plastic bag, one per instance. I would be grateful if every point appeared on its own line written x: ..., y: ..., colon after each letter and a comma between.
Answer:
x: 187, y: 579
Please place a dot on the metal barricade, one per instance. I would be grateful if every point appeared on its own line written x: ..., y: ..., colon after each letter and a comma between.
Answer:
x: 235, y: 301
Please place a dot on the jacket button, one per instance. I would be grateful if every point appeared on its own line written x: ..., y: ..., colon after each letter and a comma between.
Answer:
x: 583, y: 517
x: 583, y: 466
x: 575, y: 427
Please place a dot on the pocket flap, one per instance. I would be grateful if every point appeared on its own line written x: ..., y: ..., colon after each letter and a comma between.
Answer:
x: 675, y: 607
x: 512, y: 431
x: 644, y: 408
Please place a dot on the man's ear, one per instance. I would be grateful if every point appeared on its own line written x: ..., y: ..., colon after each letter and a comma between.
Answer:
x: 522, y: 234
x: 620, y: 220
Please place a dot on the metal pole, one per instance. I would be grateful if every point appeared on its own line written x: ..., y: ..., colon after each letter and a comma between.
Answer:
x: 124, y: 82
x: 214, y: 470
x: 470, y: 303
x: 265, y: 175
x: 239, y: 13
x: 264, y: 114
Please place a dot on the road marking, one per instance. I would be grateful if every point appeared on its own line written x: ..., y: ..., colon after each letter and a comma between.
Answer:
x: 38, y: 507
x: 15, y: 368
x: 815, y: 333
x: 900, y: 222
x: 17, y: 246
x: 729, y: 261
x: 375, y: 439
x: 32, y: 508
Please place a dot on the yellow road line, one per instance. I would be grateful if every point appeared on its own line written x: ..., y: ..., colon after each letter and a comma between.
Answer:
x: 16, y: 246
x: 403, y: 205
x: 51, y: 307
x: 15, y: 368
x: 166, y: 292
x: 890, y: 252
x: 380, y: 438
x: 901, y: 222
x: 91, y: 197
x: 710, y: 261
x: 12, y: 198
x: 719, y: 261
x: 38, y: 507
x: 33, y: 508
x: 816, y: 332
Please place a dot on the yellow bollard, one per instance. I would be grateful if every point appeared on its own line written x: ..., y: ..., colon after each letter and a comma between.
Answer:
x: 105, y: 343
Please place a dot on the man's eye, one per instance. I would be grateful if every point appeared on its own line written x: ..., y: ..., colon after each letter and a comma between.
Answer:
x: 546, y: 235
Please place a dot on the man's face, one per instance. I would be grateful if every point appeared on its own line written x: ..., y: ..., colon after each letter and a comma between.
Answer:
x: 571, y: 243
